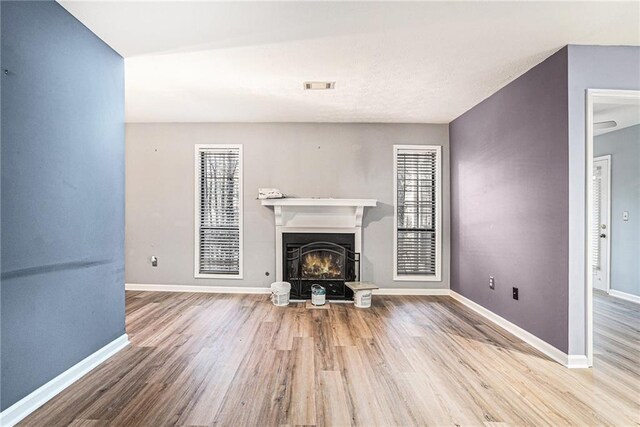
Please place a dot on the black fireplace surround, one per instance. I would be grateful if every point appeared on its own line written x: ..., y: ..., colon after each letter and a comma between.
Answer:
x: 327, y: 259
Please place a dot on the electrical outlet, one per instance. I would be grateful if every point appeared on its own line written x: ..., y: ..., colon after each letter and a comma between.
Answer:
x: 492, y: 282
x: 154, y: 261
x: 515, y: 293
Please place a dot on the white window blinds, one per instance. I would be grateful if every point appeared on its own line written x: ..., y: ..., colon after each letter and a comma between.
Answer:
x: 417, y: 212
x: 595, y: 222
x: 219, y: 245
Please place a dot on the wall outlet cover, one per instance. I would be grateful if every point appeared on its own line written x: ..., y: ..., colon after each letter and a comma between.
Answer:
x: 515, y: 293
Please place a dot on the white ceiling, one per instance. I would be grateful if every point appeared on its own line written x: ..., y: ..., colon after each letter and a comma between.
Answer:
x: 420, y: 62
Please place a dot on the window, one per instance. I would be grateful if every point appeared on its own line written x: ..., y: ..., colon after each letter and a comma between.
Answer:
x: 218, y: 211
x: 595, y: 220
x: 417, y: 239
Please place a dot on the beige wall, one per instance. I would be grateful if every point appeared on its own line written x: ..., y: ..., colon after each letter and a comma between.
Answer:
x: 302, y: 159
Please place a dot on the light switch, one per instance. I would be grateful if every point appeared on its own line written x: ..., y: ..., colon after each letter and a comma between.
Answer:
x: 625, y: 216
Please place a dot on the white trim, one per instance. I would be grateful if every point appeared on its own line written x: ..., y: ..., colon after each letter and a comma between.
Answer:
x: 195, y: 288
x: 305, y: 201
x: 535, y: 342
x: 25, y: 406
x: 607, y: 157
x: 418, y: 278
x: 592, y: 95
x: 577, y: 362
x: 625, y: 296
x: 409, y: 291
x: 196, y: 227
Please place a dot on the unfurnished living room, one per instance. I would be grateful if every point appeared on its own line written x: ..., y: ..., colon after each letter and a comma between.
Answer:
x: 287, y: 213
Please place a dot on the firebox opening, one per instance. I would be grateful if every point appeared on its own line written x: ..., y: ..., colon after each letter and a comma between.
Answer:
x: 319, y: 258
x: 321, y: 265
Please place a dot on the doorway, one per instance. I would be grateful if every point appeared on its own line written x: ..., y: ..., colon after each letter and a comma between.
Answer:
x: 613, y: 226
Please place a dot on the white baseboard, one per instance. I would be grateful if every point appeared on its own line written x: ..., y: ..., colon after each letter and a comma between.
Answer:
x: 196, y: 288
x: 577, y: 361
x: 625, y: 296
x: 19, y: 410
x: 410, y: 291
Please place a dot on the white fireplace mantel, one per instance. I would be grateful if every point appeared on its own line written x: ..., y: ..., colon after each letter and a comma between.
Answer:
x: 315, y: 215
x: 310, y: 212
x: 316, y: 201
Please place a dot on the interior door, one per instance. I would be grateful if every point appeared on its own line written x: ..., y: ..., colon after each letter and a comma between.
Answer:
x: 600, y: 232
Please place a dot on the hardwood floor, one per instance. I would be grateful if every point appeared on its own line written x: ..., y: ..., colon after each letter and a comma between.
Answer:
x: 234, y: 360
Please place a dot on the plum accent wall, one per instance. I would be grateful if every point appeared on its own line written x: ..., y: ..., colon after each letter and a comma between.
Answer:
x: 509, y: 201
x: 302, y: 159
x: 62, y: 195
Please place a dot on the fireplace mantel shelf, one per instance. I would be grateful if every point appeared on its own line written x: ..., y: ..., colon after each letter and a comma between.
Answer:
x: 302, y: 201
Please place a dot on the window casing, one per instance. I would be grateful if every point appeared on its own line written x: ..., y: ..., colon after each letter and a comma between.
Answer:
x: 417, y: 213
x: 218, y: 211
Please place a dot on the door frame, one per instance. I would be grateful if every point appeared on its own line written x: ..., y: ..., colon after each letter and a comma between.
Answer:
x: 593, y: 96
x: 607, y: 157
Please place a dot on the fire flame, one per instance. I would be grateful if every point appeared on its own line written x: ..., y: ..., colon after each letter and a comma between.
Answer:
x: 317, y: 266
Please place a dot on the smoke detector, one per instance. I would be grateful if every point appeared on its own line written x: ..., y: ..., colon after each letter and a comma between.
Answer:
x: 319, y: 85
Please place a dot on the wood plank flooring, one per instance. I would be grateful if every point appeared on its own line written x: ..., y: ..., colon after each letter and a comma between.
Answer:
x: 236, y: 360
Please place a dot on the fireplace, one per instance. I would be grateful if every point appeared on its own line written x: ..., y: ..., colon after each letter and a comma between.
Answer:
x: 327, y: 259
x: 321, y: 236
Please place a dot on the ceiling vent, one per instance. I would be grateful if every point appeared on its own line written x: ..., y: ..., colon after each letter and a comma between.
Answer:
x: 319, y: 85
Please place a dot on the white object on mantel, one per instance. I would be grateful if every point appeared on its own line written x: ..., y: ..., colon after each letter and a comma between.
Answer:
x: 269, y: 193
x: 317, y: 215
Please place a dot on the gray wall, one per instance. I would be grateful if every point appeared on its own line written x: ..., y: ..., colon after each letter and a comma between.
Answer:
x: 509, y: 201
x: 304, y: 160
x: 590, y: 67
x: 624, y: 147
x: 62, y: 195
